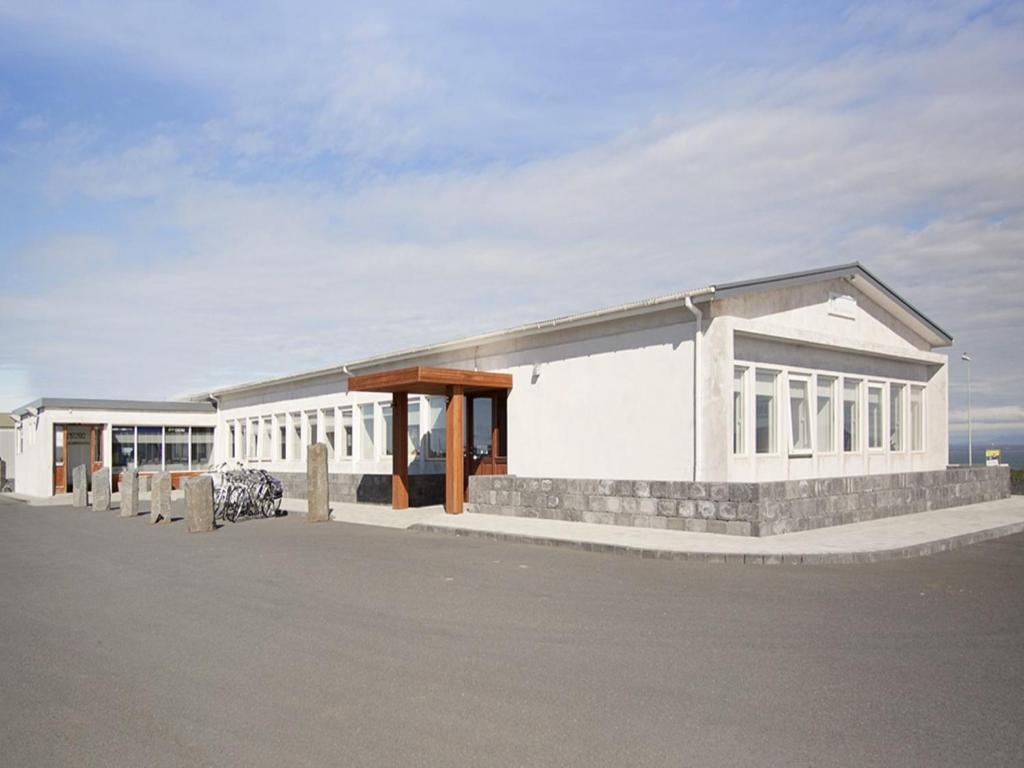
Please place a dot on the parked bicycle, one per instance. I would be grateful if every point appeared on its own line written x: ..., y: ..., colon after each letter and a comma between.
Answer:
x: 240, y: 493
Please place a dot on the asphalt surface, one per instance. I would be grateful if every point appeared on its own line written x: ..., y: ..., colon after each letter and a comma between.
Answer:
x: 283, y: 643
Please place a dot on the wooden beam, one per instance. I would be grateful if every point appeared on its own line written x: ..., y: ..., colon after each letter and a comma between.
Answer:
x: 454, y: 461
x: 399, y: 451
x: 429, y: 381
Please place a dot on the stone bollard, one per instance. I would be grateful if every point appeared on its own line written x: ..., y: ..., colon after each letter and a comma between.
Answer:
x: 145, y: 483
x: 129, y: 487
x: 317, y: 489
x: 80, y: 486
x: 101, y: 489
x: 199, y: 504
x: 160, y: 498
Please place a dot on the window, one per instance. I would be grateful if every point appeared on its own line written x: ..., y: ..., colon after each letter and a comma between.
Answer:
x: 739, y: 407
x: 896, y: 417
x: 241, y: 440
x: 122, y: 443
x: 232, y: 448
x: 202, y: 447
x: 311, y: 427
x: 266, y: 438
x: 482, y: 437
x: 916, y: 418
x: 851, y: 415
x: 176, y: 448
x: 58, y: 445
x: 414, y: 429
x: 327, y: 419
x: 282, y: 436
x: 346, y: 433
x: 254, y: 439
x: 366, y: 431
x: 764, y: 412
x: 826, y: 414
x: 436, y: 436
x: 97, y: 445
x: 150, y: 442
x: 389, y: 437
x: 874, y: 416
x: 295, y: 444
x: 799, y: 415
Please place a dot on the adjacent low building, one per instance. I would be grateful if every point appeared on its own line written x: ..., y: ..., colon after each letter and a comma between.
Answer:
x: 728, y: 391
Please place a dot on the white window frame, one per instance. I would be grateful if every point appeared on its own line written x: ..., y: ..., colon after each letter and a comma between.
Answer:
x: 775, y: 449
x: 339, y: 432
x: 807, y: 381
x: 859, y: 422
x: 739, y: 430
x: 374, y: 442
x: 883, y: 426
x: 833, y: 380
x: 924, y: 418
x: 903, y: 443
x: 383, y: 408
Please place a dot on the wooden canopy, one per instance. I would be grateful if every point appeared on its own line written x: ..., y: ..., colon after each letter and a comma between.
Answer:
x: 454, y: 384
x: 430, y: 381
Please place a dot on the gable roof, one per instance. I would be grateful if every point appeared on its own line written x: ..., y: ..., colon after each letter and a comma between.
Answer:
x: 855, y: 272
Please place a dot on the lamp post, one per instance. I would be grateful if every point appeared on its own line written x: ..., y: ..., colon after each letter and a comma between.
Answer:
x: 970, y: 437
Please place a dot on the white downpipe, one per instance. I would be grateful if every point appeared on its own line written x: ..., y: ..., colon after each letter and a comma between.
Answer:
x: 698, y: 467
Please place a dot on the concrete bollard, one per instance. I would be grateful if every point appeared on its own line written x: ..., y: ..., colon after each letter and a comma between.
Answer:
x: 129, y: 487
x: 145, y: 483
x: 160, y: 498
x: 199, y: 504
x: 80, y: 486
x: 101, y: 489
x: 317, y: 489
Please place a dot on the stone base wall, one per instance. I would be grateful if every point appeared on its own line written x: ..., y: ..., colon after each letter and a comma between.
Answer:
x: 745, y: 509
x: 424, y: 490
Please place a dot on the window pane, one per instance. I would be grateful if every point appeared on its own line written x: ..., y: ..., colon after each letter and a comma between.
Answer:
x: 896, y: 417
x: 294, y: 446
x: 826, y: 414
x: 267, y: 440
x: 366, y: 431
x: 414, y: 429
x: 254, y: 437
x: 346, y: 432
x: 312, y: 427
x: 202, y: 447
x: 917, y: 418
x: 97, y: 446
x: 151, y: 448
x: 58, y: 445
x: 327, y: 419
x: 739, y: 421
x: 123, y: 445
x: 436, y: 436
x: 241, y: 439
x: 765, y: 407
x: 281, y: 421
x: 874, y: 417
x: 176, y: 446
x: 851, y: 415
x: 389, y: 438
x: 799, y: 415
x: 481, y: 426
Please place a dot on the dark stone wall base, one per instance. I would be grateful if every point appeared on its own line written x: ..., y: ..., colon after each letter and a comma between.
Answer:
x: 424, y: 490
x: 744, y: 509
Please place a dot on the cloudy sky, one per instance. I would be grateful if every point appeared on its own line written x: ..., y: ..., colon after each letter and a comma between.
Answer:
x: 195, y: 195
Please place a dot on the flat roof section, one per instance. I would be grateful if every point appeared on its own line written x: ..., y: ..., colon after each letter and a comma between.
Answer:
x: 430, y: 381
x: 86, y: 404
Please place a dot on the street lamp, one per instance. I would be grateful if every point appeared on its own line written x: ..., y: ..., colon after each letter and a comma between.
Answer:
x: 970, y: 437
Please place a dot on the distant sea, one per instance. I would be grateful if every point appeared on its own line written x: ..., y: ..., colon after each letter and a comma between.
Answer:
x: 1012, y: 454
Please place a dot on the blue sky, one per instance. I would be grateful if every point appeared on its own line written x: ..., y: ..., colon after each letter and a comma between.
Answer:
x: 194, y: 195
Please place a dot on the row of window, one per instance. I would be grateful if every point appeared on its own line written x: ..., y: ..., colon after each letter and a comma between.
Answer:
x: 161, y: 448
x: 825, y: 413
x: 361, y: 431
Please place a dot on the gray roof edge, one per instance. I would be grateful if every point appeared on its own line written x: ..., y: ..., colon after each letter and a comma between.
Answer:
x: 853, y: 268
x: 165, y: 406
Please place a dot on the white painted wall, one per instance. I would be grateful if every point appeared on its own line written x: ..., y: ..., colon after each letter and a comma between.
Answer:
x: 34, y: 471
x: 7, y: 450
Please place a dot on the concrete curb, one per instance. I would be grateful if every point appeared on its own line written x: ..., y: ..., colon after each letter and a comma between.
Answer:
x: 753, y: 558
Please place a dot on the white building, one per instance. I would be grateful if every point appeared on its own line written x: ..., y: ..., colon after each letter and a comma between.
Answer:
x: 820, y: 374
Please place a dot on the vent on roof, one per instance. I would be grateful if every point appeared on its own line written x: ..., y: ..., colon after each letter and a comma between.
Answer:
x: 842, y: 305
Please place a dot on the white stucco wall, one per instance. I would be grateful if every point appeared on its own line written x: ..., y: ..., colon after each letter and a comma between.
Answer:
x: 34, y: 472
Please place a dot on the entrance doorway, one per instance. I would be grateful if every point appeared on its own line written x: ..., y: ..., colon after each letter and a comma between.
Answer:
x: 75, y: 445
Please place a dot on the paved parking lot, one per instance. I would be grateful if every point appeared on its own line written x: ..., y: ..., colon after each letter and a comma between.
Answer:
x: 284, y: 643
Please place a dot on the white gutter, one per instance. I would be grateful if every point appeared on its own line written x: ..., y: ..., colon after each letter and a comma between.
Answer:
x: 698, y: 336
